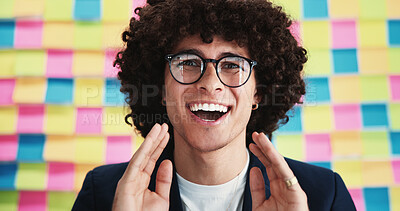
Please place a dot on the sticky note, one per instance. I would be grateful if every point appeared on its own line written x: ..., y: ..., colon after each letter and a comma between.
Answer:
x: 112, y: 34
x: 395, y: 142
x: 7, y: 87
x: 375, y: 144
x: 59, y: 148
x: 138, y: 3
x: 344, y: 34
x: 345, y: 61
x: 315, y: 8
x: 60, y: 10
x: 394, y: 116
x: 59, y: 63
x: 60, y: 176
x: 376, y: 199
x: 80, y: 172
x: 114, y: 121
x: 87, y: 10
x: 358, y: 198
x: 295, y: 30
x: 59, y: 201
x: 395, y: 87
x: 118, y: 149
x: 30, y: 63
x: 30, y: 148
x: 31, y: 176
x: 9, y: 116
x: 8, y: 147
x: 88, y: 91
x: 59, y: 91
x: 374, y: 115
x: 109, y: 70
x: 52, y: 31
x: 7, y: 34
x: 372, y: 9
x: 25, y: 8
x: 59, y: 120
x: 30, y: 119
x: 317, y: 90
x: 374, y: 88
x: 89, y: 149
x: 7, y: 176
x: 137, y: 140
x: 394, y: 196
x: 87, y: 63
x: 28, y: 34
x: 394, y: 62
x: 6, y: 11
x: 294, y: 123
x: 32, y: 200
x: 346, y: 144
x: 372, y: 33
x: 8, y: 200
x: 291, y: 146
x: 7, y: 61
x: 88, y: 120
x: 316, y: 34
x: 113, y: 97
x: 338, y: 10
x: 350, y: 171
x: 291, y: 7
x: 379, y: 65
x: 396, y: 170
x: 392, y: 8
x: 319, y: 63
x: 87, y: 35
x: 347, y: 116
x: 116, y: 12
x: 29, y: 90
x: 322, y: 164
x: 318, y: 147
x: 345, y: 89
x: 317, y: 118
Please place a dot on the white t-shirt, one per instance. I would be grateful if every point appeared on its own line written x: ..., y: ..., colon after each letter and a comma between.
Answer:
x: 227, y: 196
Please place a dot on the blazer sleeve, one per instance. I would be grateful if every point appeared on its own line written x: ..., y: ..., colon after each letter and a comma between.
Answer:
x: 85, y: 199
x: 342, y: 199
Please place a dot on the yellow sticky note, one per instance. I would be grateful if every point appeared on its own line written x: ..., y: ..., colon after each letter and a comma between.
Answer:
x: 350, y: 171
x: 374, y: 88
x: 291, y: 7
x: 24, y: 8
x: 30, y: 90
x: 59, y: 120
x: 394, y: 198
x: 6, y: 8
x: 291, y: 146
x: 58, y: 35
x: 375, y: 144
x: 392, y: 9
x: 30, y: 63
x: 316, y: 34
x: 345, y: 89
x: 377, y: 173
x: 112, y: 34
x: 394, y: 61
x: 31, y: 176
x: 317, y: 118
x: 373, y: 61
x: 338, y: 10
x: 346, y: 144
x: 90, y: 149
x: 7, y: 61
x: 319, y: 62
x: 60, y: 200
x: 88, y: 63
x: 88, y: 35
x: 116, y: 12
x: 372, y: 33
x: 372, y: 9
x: 114, y: 121
x: 60, y: 10
x: 137, y: 140
x: 8, y: 116
x: 59, y: 148
x: 80, y: 172
x: 88, y: 91
x: 394, y: 116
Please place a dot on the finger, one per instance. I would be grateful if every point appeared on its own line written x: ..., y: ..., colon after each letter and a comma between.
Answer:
x: 264, y: 160
x: 156, y: 154
x: 257, y: 187
x: 164, y: 179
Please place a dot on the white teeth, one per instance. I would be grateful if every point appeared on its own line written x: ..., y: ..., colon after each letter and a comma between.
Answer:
x: 196, y: 108
x: 205, y: 107
x: 208, y: 107
x: 225, y: 109
x: 216, y: 107
x: 212, y: 107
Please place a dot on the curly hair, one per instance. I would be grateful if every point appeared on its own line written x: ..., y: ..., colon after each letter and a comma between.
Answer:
x: 256, y: 24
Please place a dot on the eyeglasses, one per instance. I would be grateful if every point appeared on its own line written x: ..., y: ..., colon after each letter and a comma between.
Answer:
x: 188, y: 68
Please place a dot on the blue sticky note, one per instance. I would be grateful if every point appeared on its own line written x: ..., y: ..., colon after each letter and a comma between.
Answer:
x: 374, y: 115
x: 315, y: 8
x: 395, y: 142
x: 31, y: 147
x: 376, y: 199
x: 59, y: 90
x: 394, y: 32
x: 7, y: 29
x: 113, y: 96
x: 345, y: 61
x: 87, y: 10
x: 7, y: 176
x: 317, y: 90
x: 294, y: 124
x: 326, y: 165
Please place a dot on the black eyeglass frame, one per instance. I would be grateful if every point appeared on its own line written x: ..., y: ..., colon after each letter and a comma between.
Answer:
x: 169, y: 58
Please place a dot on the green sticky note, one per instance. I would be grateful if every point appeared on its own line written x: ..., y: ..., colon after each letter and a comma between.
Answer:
x: 319, y: 62
x: 8, y: 200
x: 394, y: 61
x: 394, y: 113
x: 374, y: 88
x: 291, y: 7
x: 290, y: 146
x: 316, y: 34
x: 31, y: 176
x: 88, y: 35
x: 372, y: 9
x: 60, y: 201
x: 58, y: 10
x: 6, y: 8
x: 375, y: 144
x: 372, y: 33
x: 30, y: 63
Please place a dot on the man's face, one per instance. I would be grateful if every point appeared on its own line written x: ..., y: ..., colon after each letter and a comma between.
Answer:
x: 205, y: 130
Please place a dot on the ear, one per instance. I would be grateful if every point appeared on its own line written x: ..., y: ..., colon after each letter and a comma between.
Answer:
x: 256, y: 98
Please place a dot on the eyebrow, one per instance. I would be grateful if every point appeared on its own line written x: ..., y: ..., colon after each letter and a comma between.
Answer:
x: 195, y: 51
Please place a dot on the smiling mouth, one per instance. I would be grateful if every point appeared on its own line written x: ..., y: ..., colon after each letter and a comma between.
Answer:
x: 209, y: 112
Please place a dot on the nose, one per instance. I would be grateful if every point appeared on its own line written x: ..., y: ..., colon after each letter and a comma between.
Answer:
x: 210, y: 82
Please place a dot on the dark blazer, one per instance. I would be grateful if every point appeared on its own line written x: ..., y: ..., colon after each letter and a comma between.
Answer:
x: 324, y: 188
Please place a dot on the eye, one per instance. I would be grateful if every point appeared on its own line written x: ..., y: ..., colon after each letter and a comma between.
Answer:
x: 192, y: 62
x: 230, y: 66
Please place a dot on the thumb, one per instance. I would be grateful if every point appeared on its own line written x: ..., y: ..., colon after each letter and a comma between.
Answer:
x: 164, y: 179
x: 257, y: 187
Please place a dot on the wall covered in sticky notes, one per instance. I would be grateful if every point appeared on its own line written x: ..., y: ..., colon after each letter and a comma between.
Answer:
x: 62, y: 113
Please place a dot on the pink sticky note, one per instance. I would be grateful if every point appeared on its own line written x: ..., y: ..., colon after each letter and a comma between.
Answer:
x: 347, y: 117
x: 138, y: 3
x: 118, y: 149
x: 32, y: 201
x: 28, y: 34
x: 296, y: 31
x: 109, y: 70
x: 396, y: 171
x: 358, y: 198
x: 344, y: 34
x: 88, y: 120
x: 8, y: 147
x: 318, y: 147
x: 59, y: 64
x: 7, y: 90
x: 61, y: 176
x: 395, y: 87
x: 30, y: 119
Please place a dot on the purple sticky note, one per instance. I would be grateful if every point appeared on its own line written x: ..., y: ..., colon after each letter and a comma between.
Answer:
x: 30, y: 119
x: 8, y: 147
x: 396, y: 171
x: 32, y: 201
x: 344, y: 34
x: 118, y: 149
x: 88, y: 120
x: 61, y: 176
x: 7, y: 90
x: 318, y: 147
x: 28, y: 34
x: 358, y: 198
x: 59, y: 64
x: 395, y: 87
x: 296, y: 31
x: 347, y: 117
x: 109, y: 70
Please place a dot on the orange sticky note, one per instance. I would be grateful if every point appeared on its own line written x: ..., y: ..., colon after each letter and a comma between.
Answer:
x: 59, y: 148
x: 345, y: 89
x: 392, y: 9
x: 112, y: 34
x: 373, y: 61
x: 28, y: 8
x: 350, y: 171
x: 377, y: 173
x: 88, y: 63
x: 346, y: 144
x: 80, y: 172
x: 338, y: 10
x: 54, y: 31
x: 30, y: 90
